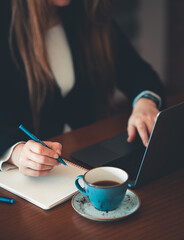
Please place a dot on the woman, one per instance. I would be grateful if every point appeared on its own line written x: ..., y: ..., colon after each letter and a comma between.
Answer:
x: 59, y: 69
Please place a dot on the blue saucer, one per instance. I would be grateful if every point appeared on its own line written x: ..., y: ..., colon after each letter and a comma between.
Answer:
x: 83, y: 206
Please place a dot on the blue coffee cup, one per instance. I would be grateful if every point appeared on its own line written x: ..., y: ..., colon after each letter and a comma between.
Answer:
x: 104, y: 186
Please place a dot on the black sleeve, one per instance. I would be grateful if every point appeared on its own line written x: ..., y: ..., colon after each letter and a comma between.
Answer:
x: 134, y: 75
x: 9, y: 133
x: 13, y: 110
x: 14, y: 105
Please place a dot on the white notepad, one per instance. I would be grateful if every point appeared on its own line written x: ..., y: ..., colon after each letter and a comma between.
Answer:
x: 47, y: 191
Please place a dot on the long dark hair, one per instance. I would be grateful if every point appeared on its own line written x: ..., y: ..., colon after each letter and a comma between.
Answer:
x: 30, y: 20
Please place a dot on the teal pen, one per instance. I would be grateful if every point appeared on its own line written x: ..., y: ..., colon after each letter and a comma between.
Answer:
x: 6, y: 200
x: 39, y: 141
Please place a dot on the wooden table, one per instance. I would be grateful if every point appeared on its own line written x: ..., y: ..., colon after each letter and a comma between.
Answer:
x: 160, y: 217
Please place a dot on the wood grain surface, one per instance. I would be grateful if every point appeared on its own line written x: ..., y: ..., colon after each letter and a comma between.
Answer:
x: 160, y: 217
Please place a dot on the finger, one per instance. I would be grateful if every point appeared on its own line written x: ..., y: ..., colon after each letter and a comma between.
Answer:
x: 41, y: 150
x: 57, y: 147
x: 150, y: 121
x: 37, y: 166
x: 142, y: 130
x: 34, y: 173
x: 131, y: 133
x: 150, y: 127
x: 41, y: 159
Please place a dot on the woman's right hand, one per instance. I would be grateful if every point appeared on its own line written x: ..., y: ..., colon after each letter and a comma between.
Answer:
x: 34, y: 159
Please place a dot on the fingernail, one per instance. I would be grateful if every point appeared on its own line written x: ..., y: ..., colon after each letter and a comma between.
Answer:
x: 56, y: 156
x: 59, y: 152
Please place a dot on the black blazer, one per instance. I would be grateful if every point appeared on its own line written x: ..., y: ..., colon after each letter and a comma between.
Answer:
x: 77, y: 109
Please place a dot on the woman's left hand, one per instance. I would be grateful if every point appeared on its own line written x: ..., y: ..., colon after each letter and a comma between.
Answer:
x: 142, y: 120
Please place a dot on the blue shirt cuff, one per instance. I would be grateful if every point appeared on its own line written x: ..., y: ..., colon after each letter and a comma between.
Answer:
x: 152, y: 96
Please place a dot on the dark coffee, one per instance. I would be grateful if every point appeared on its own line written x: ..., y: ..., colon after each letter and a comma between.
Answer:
x: 105, y: 183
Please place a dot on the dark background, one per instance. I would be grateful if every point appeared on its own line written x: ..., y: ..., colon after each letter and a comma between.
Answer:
x: 156, y: 29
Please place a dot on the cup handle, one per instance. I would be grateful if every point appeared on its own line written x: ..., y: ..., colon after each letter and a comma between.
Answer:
x: 79, y: 186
